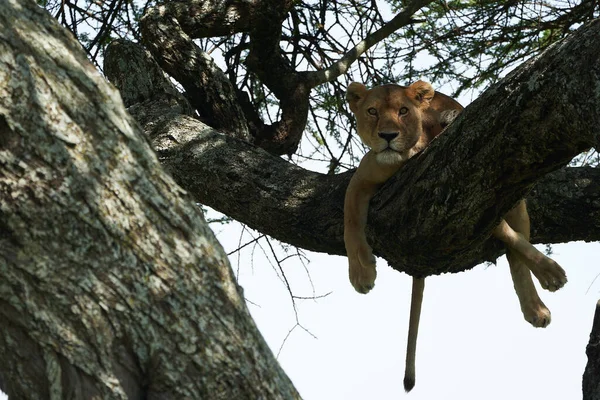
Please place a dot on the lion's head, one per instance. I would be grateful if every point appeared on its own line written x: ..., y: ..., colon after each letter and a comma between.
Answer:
x: 390, y: 118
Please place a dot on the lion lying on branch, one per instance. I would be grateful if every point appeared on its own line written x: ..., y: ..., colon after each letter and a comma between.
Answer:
x: 397, y: 122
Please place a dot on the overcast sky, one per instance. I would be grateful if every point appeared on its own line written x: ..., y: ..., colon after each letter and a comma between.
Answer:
x: 473, y: 340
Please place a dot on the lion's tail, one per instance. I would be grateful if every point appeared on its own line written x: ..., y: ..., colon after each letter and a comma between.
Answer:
x: 413, y: 331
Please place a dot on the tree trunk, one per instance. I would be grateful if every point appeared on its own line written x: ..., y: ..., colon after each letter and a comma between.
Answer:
x: 591, y: 376
x: 112, y: 284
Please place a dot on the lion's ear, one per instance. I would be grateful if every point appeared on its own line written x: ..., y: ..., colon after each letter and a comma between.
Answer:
x: 421, y: 92
x: 355, y: 93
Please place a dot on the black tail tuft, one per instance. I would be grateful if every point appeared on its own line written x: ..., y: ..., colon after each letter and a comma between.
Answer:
x: 409, y: 383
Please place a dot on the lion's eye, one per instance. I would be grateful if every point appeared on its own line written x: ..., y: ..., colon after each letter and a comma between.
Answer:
x: 372, y: 111
x: 403, y: 111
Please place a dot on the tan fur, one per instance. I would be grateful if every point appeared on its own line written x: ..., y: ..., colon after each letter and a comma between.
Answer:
x: 397, y: 122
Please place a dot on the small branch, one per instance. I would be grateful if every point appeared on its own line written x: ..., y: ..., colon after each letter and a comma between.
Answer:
x: 240, y: 247
x: 341, y: 66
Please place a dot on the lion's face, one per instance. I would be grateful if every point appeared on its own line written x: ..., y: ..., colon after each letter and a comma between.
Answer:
x: 389, y: 118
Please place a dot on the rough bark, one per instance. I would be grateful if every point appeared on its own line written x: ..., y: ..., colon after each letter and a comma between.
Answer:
x: 436, y: 215
x: 207, y: 87
x: 591, y: 376
x: 112, y: 285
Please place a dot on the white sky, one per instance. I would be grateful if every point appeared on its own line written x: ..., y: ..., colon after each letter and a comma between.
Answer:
x: 473, y: 340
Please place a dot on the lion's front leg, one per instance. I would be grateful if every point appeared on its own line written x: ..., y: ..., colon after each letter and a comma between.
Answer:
x: 362, y: 267
x: 369, y: 176
x: 360, y: 255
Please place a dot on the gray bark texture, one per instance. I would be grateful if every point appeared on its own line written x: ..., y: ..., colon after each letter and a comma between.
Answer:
x: 112, y: 285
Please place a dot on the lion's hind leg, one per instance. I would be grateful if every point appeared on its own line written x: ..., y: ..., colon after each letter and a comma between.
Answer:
x: 532, y: 307
x: 515, y: 233
x: 522, y: 256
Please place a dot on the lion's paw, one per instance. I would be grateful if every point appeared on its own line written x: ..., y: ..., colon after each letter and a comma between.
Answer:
x: 537, y: 314
x: 550, y: 275
x: 362, y: 269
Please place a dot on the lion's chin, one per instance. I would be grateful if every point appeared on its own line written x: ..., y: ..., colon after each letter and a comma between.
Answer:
x: 390, y: 157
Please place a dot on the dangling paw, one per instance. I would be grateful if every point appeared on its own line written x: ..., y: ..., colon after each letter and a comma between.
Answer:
x: 547, y: 271
x: 362, y: 269
x: 536, y: 313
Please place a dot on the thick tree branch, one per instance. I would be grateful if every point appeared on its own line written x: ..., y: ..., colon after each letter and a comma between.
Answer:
x: 168, y: 31
x: 265, y: 57
x: 266, y: 60
x: 208, y: 89
x: 201, y: 18
x: 305, y: 208
x: 143, y: 83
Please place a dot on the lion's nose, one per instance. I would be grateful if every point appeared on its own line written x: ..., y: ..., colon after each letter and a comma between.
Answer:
x: 388, y: 136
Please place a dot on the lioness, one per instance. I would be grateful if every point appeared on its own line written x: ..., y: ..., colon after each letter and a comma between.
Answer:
x: 397, y: 122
